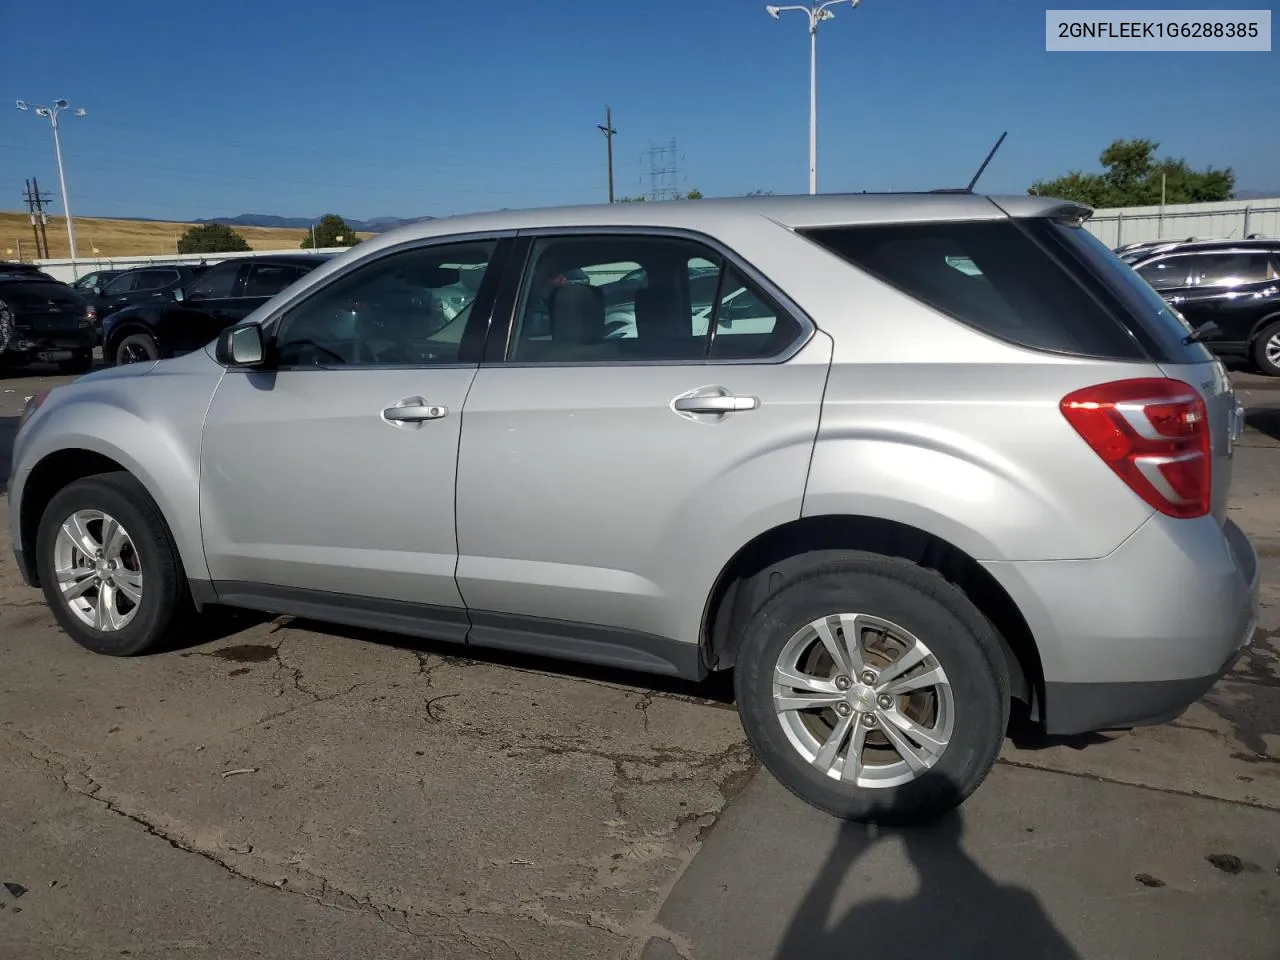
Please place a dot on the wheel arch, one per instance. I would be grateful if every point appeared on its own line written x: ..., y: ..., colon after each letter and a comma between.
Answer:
x: 1261, y: 325
x: 769, y: 559
x: 58, y: 468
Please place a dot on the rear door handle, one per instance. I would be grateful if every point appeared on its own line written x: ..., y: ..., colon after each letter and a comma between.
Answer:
x: 715, y: 404
x: 414, y: 410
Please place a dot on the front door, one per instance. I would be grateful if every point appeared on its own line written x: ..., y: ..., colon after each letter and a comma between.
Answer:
x: 332, y: 473
x: 616, y: 454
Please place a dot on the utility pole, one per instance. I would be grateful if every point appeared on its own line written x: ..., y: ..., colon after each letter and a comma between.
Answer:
x: 35, y: 207
x: 607, y: 129
x: 40, y: 200
x: 31, y: 209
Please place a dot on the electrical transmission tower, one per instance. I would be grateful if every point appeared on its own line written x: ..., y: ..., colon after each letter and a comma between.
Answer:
x: 664, y: 172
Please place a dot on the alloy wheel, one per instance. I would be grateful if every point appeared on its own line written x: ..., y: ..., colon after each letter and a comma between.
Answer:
x: 98, y: 570
x: 863, y: 700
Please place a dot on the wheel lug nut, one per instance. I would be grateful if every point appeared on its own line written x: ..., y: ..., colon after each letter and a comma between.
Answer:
x: 885, y: 701
x: 843, y: 709
x: 843, y: 683
x: 868, y: 677
x: 869, y: 719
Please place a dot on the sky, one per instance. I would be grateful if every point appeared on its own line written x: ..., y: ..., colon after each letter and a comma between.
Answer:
x: 426, y: 107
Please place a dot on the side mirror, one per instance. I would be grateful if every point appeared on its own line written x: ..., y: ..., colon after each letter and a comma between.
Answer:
x: 241, y: 346
x: 178, y: 294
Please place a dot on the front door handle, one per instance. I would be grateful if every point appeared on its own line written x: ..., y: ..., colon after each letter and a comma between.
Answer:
x: 414, y: 410
x: 715, y: 404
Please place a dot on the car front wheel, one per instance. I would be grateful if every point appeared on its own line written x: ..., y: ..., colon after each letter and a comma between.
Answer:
x: 108, y: 565
x: 873, y: 689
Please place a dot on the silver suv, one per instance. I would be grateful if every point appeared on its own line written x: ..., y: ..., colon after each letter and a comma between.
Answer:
x: 960, y: 455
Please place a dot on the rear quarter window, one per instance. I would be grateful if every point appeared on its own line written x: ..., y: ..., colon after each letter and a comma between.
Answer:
x: 994, y: 276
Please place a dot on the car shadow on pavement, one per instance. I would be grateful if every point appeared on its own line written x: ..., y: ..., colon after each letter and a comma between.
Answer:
x: 958, y: 911
x: 1266, y: 420
x: 8, y: 431
x: 717, y: 688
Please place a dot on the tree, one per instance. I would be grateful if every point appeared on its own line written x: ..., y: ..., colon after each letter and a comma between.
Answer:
x: 331, y: 231
x: 1132, y: 177
x: 212, y: 238
x: 630, y: 200
x: 694, y: 194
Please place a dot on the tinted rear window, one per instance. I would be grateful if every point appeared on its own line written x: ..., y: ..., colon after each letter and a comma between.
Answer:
x: 1161, y: 329
x: 27, y: 291
x: 994, y: 276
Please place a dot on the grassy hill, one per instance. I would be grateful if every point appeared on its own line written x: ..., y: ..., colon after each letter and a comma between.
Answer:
x: 120, y: 238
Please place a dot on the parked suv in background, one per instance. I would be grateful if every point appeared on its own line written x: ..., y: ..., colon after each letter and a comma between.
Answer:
x: 1234, y: 284
x: 189, y: 313
x: 961, y: 455
x: 52, y: 323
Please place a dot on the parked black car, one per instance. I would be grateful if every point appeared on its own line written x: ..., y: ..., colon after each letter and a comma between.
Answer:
x: 188, y: 316
x: 52, y: 323
x: 1233, y: 283
x: 142, y: 284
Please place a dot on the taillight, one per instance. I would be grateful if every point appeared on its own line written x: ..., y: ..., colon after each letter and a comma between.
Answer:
x: 1154, y: 433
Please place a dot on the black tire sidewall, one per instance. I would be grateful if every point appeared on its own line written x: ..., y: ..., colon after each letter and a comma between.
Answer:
x: 124, y: 499
x: 927, y: 606
x: 153, y: 348
x: 1260, y: 349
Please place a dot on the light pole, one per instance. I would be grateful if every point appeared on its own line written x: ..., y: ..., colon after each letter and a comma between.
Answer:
x: 816, y: 12
x: 52, y: 114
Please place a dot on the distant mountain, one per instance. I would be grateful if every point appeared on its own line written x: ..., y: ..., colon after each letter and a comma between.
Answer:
x: 375, y: 225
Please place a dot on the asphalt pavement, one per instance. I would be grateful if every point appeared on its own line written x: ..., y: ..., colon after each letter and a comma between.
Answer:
x: 282, y: 789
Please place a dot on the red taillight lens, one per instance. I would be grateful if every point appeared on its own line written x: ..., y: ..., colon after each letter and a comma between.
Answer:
x: 1154, y: 434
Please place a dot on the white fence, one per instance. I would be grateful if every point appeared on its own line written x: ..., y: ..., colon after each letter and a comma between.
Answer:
x: 67, y: 270
x: 1228, y: 219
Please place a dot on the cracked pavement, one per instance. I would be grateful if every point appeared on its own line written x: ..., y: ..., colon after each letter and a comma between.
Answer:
x: 284, y: 789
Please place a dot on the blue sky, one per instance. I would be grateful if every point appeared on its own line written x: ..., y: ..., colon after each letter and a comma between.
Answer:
x: 382, y: 108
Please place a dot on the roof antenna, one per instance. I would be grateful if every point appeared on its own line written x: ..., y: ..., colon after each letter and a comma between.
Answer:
x: 969, y: 188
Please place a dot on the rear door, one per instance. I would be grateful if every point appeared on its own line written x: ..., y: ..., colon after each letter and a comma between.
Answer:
x: 614, y: 456
x: 1228, y: 288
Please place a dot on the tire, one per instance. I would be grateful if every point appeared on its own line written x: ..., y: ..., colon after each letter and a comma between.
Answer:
x: 969, y: 714
x: 148, y: 562
x: 82, y: 362
x: 1270, y: 334
x: 136, y: 348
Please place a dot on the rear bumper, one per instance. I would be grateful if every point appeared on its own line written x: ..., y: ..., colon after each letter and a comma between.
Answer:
x: 1138, y: 636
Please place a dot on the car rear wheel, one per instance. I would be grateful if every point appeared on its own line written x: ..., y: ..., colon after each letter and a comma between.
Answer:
x: 873, y: 689
x: 137, y: 348
x: 1266, y: 349
x: 108, y: 565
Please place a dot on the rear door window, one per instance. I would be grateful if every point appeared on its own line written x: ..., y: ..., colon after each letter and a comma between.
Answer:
x: 1167, y: 273
x: 994, y: 276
